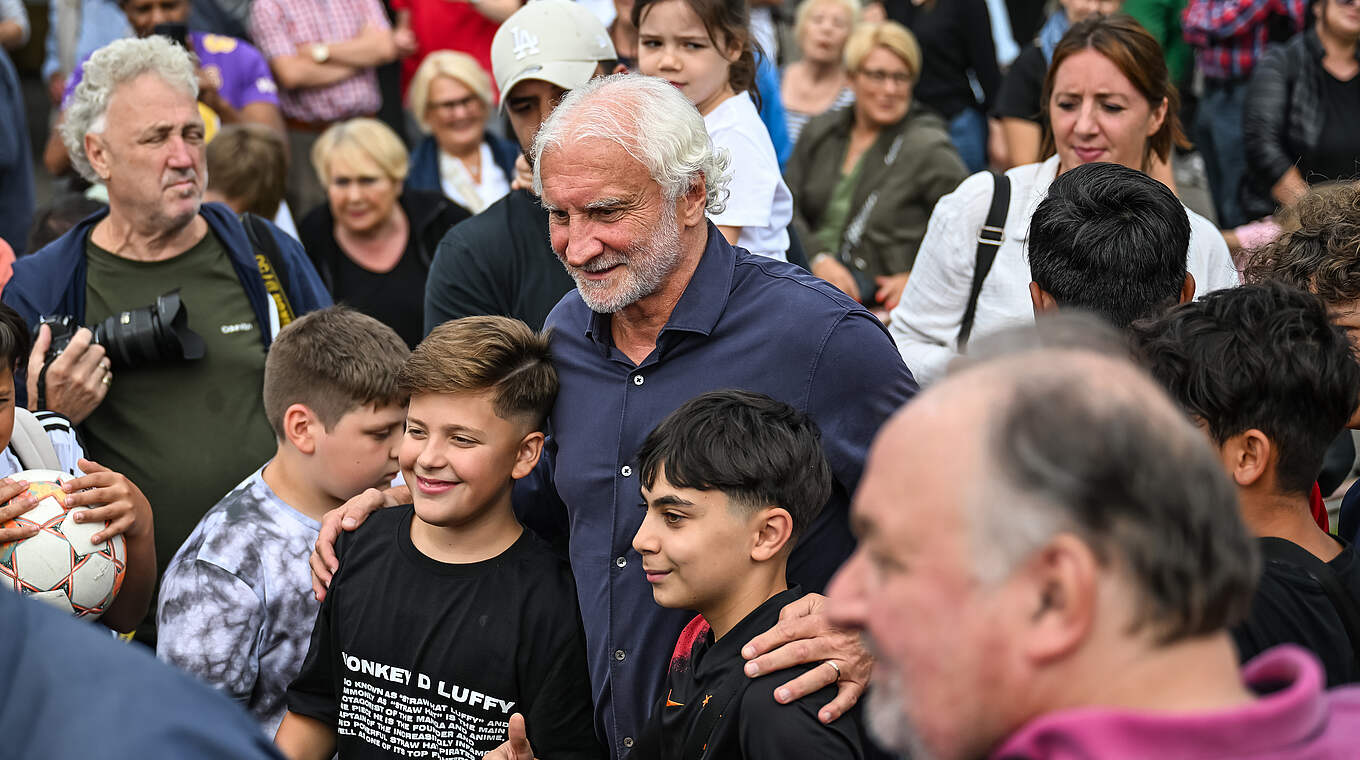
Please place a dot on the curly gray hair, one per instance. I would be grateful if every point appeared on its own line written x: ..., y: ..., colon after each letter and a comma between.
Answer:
x: 651, y: 120
x: 118, y: 62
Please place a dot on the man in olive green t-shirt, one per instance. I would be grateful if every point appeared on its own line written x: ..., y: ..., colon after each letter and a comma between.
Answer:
x: 185, y: 431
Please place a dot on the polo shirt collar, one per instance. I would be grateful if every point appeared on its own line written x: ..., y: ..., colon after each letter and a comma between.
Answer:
x: 704, y: 299
x: 1291, y: 709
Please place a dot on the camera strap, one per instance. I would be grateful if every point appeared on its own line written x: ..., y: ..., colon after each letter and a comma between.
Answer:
x: 268, y: 259
x: 42, y: 386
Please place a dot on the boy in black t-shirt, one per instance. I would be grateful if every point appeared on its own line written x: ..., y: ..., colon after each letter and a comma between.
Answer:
x: 730, y: 479
x: 446, y: 616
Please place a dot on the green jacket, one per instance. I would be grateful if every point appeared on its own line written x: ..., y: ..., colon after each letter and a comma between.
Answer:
x: 911, y: 165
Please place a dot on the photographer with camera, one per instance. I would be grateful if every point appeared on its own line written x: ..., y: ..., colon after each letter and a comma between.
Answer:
x: 185, y: 429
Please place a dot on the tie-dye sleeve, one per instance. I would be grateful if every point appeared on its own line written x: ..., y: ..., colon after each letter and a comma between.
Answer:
x: 209, y: 624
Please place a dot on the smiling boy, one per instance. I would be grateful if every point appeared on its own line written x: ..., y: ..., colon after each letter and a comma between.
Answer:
x: 729, y: 481
x: 446, y: 616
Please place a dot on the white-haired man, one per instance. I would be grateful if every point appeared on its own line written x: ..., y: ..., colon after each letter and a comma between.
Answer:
x: 499, y: 262
x: 185, y: 431
x: 666, y: 309
x: 1049, y: 559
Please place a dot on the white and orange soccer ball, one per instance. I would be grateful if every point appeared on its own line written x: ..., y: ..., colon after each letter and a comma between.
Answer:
x: 59, y: 565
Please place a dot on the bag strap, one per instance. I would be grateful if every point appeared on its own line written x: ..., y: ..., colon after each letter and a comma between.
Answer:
x: 1288, y: 552
x: 270, y: 261
x: 990, y: 238
x: 31, y: 444
x: 855, y: 229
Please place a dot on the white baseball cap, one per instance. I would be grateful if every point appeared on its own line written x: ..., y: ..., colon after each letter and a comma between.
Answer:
x: 557, y: 41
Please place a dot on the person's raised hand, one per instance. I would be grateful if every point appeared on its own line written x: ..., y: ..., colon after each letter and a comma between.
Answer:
x: 524, y: 175
x: 890, y: 289
x: 805, y: 635
x: 517, y: 746
x: 124, y: 506
x: 78, y: 379
x: 834, y: 272
x: 347, y: 517
x: 15, y: 502
x: 405, y: 40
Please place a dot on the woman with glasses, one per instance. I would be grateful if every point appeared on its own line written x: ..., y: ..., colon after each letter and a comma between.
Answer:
x: 865, y: 177
x: 1302, y: 111
x: 371, y: 243
x: 450, y: 98
x: 1107, y: 98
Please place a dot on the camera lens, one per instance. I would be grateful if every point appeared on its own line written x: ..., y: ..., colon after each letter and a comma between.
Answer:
x: 150, y: 334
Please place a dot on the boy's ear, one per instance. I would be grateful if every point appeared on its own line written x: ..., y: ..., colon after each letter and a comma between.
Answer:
x: 530, y: 448
x: 300, y: 427
x: 774, y: 528
x: 1249, y: 457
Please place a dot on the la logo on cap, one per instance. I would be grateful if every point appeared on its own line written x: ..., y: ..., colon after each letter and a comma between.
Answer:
x: 526, y: 43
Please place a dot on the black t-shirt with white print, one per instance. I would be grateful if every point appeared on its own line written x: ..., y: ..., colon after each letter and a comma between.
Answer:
x: 412, y: 657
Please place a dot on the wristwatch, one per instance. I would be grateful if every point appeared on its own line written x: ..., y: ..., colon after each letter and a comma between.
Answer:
x: 321, y: 53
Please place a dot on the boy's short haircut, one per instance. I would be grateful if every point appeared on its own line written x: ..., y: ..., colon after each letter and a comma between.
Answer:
x: 757, y: 451
x: 1263, y: 356
x: 15, y: 340
x: 332, y: 360
x: 248, y: 164
x: 499, y: 355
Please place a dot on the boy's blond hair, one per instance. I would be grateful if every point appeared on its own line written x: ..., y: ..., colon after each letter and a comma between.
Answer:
x: 499, y: 355
x: 333, y: 360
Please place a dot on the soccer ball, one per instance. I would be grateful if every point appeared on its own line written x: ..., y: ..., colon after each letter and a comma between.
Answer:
x: 59, y: 565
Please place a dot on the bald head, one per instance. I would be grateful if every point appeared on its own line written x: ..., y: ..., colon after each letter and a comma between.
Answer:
x: 1089, y: 443
x: 1016, y: 521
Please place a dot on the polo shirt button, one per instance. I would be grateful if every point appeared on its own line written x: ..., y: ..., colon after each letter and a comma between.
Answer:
x: 627, y: 741
x: 860, y: 263
x: 637, y: 379
x: 625, y: 471
x: 621, y: 561
x: 619, y: 655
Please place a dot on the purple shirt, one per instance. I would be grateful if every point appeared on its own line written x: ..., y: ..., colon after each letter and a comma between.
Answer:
x: 1293, y: 718
x: 239, y: 68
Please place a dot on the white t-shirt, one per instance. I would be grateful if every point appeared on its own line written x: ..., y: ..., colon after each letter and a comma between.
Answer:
x: 925, y: 324
x: 758, y: 201
x: 63, y: 439
x: 460, y: 188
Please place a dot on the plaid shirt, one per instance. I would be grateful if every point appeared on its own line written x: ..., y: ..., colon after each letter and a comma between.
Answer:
x: 279, y: 26
x: 1230, y: 35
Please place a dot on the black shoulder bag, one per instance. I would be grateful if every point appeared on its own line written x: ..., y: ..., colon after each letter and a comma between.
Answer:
x: 989, y: 238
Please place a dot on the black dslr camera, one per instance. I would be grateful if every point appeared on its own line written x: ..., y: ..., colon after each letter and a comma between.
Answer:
x: 154, y: 333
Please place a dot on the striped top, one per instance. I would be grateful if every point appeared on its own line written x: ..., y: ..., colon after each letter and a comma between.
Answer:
x: 796, y: 119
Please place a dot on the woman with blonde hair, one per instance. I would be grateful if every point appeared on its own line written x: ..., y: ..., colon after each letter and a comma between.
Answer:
x: 865, y: 178
x: 450, y: 98
x: 818, y: 82
x: 371, y: 243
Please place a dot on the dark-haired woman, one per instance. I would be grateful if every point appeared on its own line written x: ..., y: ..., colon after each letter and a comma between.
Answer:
x: 1107, y: 97
x: 1302, y: 108
x: 704, y: 48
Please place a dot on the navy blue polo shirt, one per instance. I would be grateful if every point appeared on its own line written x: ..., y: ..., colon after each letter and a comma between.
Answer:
x: 744, y: 322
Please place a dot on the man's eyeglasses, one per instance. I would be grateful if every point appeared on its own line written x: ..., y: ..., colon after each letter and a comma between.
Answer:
x: 453, y: 105
x: 879, y: 76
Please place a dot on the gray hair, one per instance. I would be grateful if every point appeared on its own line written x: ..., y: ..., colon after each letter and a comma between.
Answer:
x: 1087, y: 444
x: 653, y: 121
x: 110, y: 66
